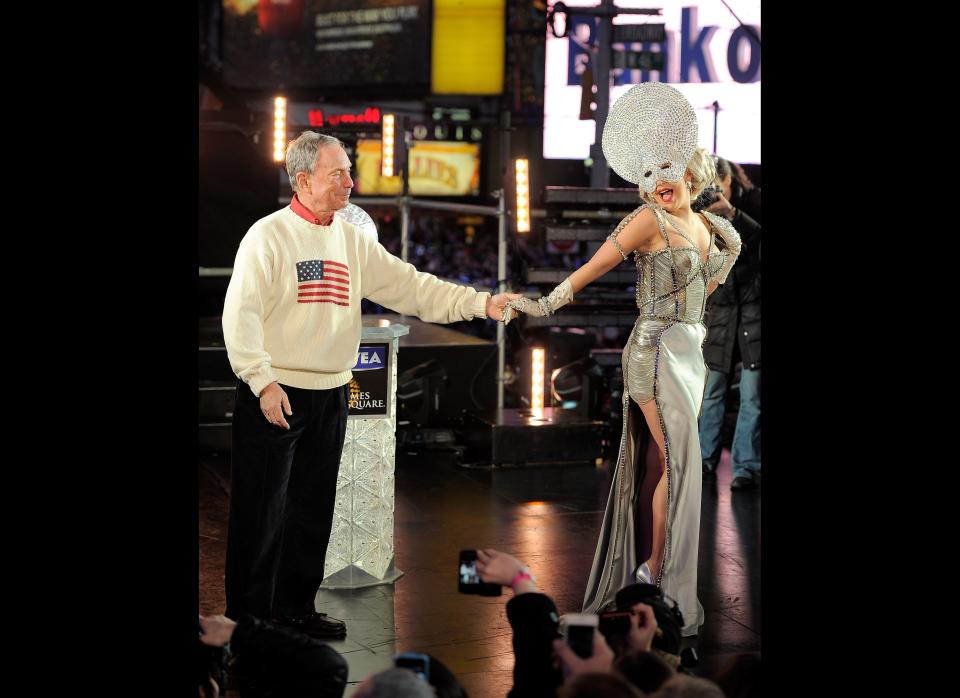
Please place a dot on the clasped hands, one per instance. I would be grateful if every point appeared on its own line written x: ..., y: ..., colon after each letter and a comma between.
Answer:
x: 543, y: 306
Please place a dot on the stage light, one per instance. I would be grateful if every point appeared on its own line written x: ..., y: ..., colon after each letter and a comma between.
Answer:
x: 523, y: 195
x: 387, y: 144
x: 536, y: 381
x: 279, y: 127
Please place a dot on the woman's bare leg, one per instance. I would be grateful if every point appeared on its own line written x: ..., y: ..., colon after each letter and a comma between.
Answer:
x: 659, y: 504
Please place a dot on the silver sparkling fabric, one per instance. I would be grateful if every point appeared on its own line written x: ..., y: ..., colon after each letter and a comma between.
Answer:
x: 547, y: 305
x: 612, y: 237
x: 723, y: 262
x: 652, y: 125
x: 360, y: 218
x: 663, y: 363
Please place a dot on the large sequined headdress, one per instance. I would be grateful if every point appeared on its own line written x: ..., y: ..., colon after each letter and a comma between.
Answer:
x: 360, y: 218
x: 651, y: 125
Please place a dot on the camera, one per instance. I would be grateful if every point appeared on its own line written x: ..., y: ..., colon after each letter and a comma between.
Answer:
x: 614, y: 624
x: 416, y: 662
x: 707, y: 197
x: 579, y: 631
x: 468, y: 579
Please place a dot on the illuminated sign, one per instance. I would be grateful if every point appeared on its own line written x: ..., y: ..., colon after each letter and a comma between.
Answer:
x: 707, y: 55
x: 468, y: 47
x: 446, y: 132
x: 444, y: 168
x: 370, y: 115
x: 314, y: 44
x: 436, y: 168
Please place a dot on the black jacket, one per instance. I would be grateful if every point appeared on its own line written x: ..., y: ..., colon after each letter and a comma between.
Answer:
x: 273, y: 662
x: 733, y: 310
x: 534, y: 620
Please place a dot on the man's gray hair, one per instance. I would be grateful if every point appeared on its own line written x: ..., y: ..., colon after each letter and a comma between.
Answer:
x: 396, y: 683
x: 302, y: 153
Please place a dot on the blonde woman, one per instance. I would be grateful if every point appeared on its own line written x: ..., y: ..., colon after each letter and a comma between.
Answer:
x: 650, y: 530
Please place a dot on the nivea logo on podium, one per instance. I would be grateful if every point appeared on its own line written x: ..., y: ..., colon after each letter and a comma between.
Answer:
x: 370, y: 390
x: 371, y: 358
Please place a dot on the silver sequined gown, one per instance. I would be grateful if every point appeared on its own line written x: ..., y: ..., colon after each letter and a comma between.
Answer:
x: 662, y: 361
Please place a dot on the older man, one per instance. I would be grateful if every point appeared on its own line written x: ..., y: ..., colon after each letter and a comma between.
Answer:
x: 291, y: 323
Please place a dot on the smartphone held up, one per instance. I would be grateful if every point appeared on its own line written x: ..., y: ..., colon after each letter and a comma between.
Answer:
x: 468, y: 579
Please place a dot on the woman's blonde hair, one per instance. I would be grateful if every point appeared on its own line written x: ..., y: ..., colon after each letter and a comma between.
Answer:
x: 703, y: 170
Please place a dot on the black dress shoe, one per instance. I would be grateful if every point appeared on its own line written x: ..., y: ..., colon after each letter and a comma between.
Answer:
x: 743, y: 483
x: 318, y: 625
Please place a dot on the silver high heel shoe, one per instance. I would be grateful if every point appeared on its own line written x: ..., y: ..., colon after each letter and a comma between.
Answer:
x: 643, y: 574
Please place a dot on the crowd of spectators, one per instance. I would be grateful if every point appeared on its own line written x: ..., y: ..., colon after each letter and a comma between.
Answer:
x: 644, y: 657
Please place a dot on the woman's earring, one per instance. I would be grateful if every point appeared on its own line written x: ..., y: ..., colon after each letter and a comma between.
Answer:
x: 689, y: 186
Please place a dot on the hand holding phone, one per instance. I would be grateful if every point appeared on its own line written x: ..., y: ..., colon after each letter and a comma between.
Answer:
x: 600, y: 658
x: 468, y: 578
x: 497, y: 567
x: 580, y: 629
x: 643, y: 627
x: 615, y: 624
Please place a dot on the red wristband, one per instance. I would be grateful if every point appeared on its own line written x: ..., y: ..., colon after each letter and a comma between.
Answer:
x: 521, y: 575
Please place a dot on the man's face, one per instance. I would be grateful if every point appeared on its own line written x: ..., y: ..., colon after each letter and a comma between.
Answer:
x: 328, y: 188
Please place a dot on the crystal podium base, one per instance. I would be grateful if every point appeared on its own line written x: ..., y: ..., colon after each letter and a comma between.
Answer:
x: 360, y: 550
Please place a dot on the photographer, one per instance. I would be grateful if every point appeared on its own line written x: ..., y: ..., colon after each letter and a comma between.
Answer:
x: 534, y: 619
x: 649, y: 654
x: 536, y: 644
x: 273, y: 662
x: 733, y: 328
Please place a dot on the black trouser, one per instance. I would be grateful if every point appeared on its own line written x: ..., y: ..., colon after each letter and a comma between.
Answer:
x: 282, y: 492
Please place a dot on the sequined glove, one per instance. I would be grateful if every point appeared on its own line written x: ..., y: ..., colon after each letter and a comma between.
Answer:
x: 732, y: 245
x: 546, y: 305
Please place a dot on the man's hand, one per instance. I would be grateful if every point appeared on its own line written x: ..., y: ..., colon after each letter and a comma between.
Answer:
x: 572, y: 664
x: 217, y: 630
x: 722, y: 207
x: 496, y: 304
x: 271, y: 399
x: 643, y: 627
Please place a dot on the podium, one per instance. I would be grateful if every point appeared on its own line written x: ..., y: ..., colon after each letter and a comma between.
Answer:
x: 360, y: 551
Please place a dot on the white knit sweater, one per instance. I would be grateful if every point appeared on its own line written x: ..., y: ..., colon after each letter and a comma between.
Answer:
x: 292, y: 310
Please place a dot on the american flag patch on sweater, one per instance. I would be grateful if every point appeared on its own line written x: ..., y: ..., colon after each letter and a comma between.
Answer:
x: 323, y: 281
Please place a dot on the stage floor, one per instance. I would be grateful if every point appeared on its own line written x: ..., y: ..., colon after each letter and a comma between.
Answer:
x: 547, y: 517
